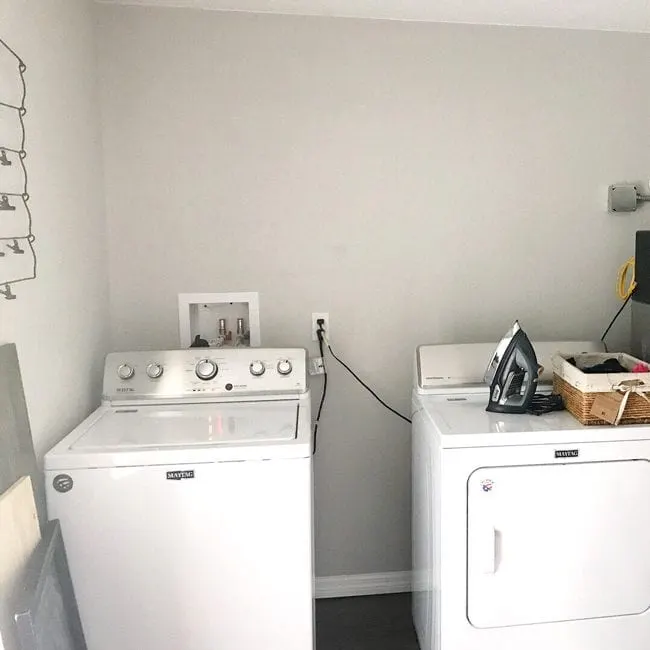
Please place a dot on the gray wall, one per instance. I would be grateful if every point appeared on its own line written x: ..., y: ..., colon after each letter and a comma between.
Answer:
x: 59, y: 321
x: 422, y: 183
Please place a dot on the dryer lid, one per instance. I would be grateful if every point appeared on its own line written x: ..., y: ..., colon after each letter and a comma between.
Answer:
x: 198, y: 425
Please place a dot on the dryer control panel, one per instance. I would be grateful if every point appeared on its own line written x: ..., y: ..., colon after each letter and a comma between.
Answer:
x: 204, y: 373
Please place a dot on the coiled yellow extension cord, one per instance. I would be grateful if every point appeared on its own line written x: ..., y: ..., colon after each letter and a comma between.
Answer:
x: 624, y: 289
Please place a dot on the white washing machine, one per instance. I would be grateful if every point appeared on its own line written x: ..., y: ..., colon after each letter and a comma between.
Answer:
x: 529, y: 532
x: 185, y: 502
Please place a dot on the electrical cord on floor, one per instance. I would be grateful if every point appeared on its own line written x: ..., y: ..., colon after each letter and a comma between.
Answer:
x: 319, y: 333
x: 322, y: 336
x: 618, y: 313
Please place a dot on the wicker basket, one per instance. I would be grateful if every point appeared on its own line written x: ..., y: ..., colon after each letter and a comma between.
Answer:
x: 579, y: 390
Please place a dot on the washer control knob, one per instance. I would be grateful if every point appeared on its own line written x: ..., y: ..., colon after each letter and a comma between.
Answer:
x: 257, y: 368
x: 206, y: 369
x: 285, y: 367
x: 125, y: 371
x: 155, y: 371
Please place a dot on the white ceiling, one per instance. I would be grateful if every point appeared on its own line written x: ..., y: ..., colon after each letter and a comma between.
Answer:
x: 611, y: 15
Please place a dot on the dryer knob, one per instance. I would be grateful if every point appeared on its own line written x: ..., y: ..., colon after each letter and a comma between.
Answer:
x: 257, y: 368
x: 206, y: 369
x: 155, y: 370
x: 125, y: 371
x: 285, y: 367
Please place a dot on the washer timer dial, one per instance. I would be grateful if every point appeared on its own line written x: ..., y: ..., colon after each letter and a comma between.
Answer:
x: 257, y: 368
x: 206, y: 369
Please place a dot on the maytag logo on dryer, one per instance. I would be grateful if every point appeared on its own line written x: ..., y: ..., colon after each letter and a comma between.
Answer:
x: 567, y: 453
x: 180, y: 474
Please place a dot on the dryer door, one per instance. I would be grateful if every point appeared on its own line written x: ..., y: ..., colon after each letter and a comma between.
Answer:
x: 557, y: 542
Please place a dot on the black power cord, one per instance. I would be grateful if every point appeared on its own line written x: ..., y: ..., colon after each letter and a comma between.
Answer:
x: 320, y: 333
x: 618, y: 313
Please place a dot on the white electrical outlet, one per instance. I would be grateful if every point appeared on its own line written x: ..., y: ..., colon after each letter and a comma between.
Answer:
x: 314, y: 326
x: 316, y: 366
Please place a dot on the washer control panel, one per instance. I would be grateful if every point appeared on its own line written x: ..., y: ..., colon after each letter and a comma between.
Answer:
x: 205, y: 372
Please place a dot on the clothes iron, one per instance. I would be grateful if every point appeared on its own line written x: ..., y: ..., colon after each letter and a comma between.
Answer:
x: 512, y: 373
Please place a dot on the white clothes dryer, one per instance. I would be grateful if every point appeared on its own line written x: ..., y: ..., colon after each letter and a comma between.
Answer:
x: 528, y: 531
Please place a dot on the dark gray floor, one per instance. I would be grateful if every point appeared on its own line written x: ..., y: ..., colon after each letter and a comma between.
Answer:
x: 365, y: 623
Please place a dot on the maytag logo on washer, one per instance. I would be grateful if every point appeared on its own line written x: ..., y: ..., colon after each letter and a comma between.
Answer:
x: 179, y: 475
x: 63, y: 483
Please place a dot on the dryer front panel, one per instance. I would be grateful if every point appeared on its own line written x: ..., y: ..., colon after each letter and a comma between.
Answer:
x: 557, y: 542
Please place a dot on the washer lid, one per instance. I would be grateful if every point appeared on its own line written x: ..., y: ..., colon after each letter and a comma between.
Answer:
x: 168, y: 427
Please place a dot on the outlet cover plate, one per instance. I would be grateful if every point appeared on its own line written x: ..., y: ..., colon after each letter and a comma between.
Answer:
x: 314, y: 327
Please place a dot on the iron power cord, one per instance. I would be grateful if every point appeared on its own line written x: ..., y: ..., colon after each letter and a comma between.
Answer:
x: 321, y: 335
x: 542, y: 404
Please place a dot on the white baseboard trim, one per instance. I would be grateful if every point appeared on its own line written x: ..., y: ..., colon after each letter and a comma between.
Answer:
x: 363, y: 584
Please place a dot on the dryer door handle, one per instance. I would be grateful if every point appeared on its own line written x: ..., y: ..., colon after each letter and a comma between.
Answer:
x: 487, y: 549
